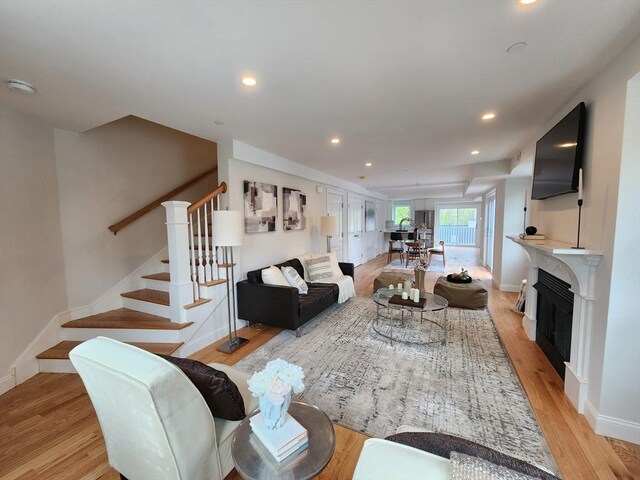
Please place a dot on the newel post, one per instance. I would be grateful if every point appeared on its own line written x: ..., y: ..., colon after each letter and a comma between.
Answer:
x: 180, y: 286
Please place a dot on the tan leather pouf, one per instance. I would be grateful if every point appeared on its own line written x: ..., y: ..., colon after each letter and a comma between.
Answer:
x: 463, y: 295
x: 390, y: 278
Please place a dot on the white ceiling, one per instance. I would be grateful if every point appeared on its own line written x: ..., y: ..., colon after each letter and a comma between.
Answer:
x: 402, y: 83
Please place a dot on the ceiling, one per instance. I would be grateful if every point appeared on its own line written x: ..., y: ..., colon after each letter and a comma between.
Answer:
x: 403, y: 84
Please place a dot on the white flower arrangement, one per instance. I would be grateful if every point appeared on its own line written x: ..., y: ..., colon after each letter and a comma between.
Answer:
x: 276, y: 381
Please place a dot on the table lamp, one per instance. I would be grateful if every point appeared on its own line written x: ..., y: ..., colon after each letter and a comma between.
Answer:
x: 328, y: 228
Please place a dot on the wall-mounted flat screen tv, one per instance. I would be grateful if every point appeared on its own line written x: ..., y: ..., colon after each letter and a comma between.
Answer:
x: 559, y: 157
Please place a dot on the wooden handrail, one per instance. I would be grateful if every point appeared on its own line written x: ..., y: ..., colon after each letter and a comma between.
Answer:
x: 221, y: 189
x: 116, y: 227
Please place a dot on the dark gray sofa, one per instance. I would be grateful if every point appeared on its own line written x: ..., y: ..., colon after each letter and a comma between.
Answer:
x: 283, y: 306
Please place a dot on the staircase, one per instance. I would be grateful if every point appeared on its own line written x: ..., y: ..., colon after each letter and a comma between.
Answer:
x: 147, y: 318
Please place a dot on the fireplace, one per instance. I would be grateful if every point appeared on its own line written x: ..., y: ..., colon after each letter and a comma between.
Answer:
x: 554, y: 313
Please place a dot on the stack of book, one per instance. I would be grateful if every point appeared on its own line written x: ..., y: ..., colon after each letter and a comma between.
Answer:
x: 537, y: 238
x: 282, y: 442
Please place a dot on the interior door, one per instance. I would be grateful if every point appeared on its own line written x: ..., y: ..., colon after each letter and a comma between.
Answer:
x: 334, y: 208
x: 490, y: 223
x: 356, y: 225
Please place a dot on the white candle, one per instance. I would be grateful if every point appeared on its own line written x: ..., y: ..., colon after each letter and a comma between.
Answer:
x: 390, y: 287
x: 399, y: 286
x: 405, y: 295
x: 416, y: 296
x: 580, y: 184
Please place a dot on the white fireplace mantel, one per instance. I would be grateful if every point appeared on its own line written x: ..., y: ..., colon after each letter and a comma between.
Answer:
x: 577, y: 267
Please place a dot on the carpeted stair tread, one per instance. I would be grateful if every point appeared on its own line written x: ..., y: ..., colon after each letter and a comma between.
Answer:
x: 61, y: 350
x: 148, y: 295
x: 127, y: 319
x: 162, y: 276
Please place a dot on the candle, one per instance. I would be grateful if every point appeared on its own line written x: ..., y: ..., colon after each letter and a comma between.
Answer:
x: 580, y: 184
x: 390, y: 287
x: 399, y: 286
x: 405, y: 295
x: 416, y: 295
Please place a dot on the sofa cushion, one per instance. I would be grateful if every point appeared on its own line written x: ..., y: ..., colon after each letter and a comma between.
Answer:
x: 294, y: 279
x: 274, y: 276
x: 255, y: 276
x: 319, y: 297
x: 220, y: 393
x: 319, y: 261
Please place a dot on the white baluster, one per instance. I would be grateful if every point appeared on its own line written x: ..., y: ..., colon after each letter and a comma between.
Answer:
x: 214, y: 250
x: 192, y: 245
x: 201, y: 277
x: 207, y: 252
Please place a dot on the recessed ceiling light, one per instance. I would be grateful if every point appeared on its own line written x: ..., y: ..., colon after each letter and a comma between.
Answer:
x: 567, y: 145
x: 20, y: 86
x: 218, y: 122
x: 475, y: 152
x: 335, y: 140
x: 526, y: 2
x: 517, y: 47
x: 249, y: 81
x: 368, y: 164
x: 489, y: 116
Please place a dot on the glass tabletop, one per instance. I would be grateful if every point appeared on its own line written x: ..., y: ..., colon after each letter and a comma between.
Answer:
x: 253, y: 460
x: 434, y: 302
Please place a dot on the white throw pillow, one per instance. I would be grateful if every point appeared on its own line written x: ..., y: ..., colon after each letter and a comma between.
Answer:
x: 294, y: 279
x: 320, y: 268
x: 273, y: 276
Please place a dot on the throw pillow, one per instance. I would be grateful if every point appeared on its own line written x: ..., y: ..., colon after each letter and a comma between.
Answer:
x: 273, y: 276
x: 464, y: 467
x: 220, y: 393
x: 332, y: 259
x: 443, y: 445
x: 294, y: 279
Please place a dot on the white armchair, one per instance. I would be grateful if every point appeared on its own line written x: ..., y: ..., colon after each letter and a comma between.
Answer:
x: 155, y: 423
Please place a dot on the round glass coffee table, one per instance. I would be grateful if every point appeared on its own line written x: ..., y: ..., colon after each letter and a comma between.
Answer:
x: 411, y: 323
x: 253, y: 461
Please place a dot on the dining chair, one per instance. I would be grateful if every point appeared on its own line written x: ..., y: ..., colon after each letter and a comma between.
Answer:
x: 438, y: 251
x: 395, y: 247
x: 414, y: 251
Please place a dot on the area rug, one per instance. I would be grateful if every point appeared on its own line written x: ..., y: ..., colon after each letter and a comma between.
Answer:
x: 466, y: 387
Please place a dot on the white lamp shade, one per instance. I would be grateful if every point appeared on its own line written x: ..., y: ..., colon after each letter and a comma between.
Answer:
x: 328, y: 226
x: 228, y: 228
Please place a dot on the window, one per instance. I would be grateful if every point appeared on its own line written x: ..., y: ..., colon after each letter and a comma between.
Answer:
x: 458, y: 217
x: 401, y: 209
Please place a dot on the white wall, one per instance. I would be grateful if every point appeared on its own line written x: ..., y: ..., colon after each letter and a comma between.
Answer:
x: 509, y: 259
x: 32, y: 279
x: 263, y: 249
x: 604, y: 181
x: 106, y: 174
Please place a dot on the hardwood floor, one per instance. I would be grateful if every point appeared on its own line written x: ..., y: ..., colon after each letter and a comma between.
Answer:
x: 48, y: 428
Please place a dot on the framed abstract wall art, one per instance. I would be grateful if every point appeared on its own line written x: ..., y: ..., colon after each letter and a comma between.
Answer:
x: 260, y: 207
x: 294, y: 209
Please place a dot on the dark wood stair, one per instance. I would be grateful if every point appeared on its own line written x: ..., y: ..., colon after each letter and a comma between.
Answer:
x: 127, y: 319
x: 61, y: 350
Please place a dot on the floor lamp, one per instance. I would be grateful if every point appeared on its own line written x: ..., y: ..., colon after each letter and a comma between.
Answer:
x: 227, y: 231
x: 329, y: 228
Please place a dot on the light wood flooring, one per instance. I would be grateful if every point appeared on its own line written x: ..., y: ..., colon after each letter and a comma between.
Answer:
x: 48, y: 428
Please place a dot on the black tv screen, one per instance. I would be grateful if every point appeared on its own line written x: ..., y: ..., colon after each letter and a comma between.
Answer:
x: 559, y: 157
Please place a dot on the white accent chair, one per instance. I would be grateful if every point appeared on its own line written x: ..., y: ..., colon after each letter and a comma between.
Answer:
x: 155, y: 423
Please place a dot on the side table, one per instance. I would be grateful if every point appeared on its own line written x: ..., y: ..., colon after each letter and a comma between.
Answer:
x: 253, y: 461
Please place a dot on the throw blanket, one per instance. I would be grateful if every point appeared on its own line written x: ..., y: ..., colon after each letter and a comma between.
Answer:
x: 345, y: 285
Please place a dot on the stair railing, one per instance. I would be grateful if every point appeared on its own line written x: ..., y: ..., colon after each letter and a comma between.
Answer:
x: 192, y: 256
x: 116, y: 227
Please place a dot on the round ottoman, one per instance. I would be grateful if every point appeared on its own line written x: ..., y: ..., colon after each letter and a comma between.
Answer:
x: 462, y: 295
x: 390, y: 278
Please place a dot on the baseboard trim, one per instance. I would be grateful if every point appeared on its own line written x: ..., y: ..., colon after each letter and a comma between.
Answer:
x: 7, y: 383
x: 509, y: 288
x: 611, y: 426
